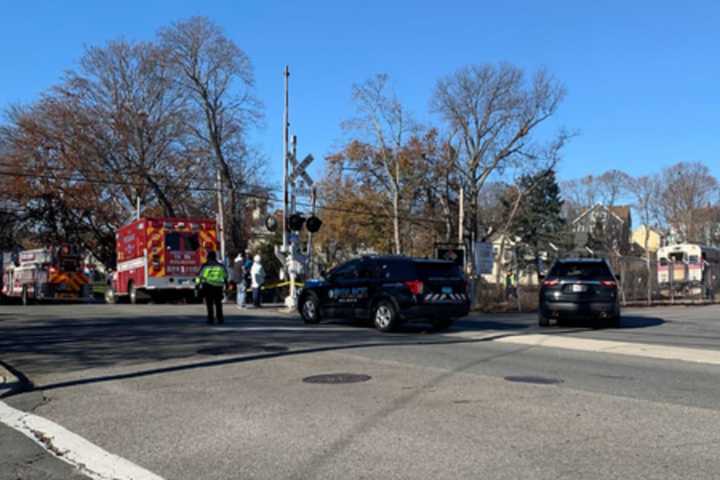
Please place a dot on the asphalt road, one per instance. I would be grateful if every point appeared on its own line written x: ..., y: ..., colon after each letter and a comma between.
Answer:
x: 157, y: 386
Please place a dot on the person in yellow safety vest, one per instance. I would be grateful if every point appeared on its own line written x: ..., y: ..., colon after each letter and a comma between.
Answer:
x: 213, y: 280
x: 510, y: 286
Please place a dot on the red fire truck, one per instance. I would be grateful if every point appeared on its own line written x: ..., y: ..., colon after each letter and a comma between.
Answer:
x: 50, y: 273
x: 160, y: 255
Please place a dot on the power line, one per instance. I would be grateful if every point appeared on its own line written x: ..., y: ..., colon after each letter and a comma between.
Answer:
x: 269, y: 197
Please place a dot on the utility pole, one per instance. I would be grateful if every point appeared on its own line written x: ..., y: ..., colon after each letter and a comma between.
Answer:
x: 286, y: 125
x: 293, y: 154
x: 220, y: 216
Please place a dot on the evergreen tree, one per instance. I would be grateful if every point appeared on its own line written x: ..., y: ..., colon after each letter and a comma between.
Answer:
x: 539, y: 222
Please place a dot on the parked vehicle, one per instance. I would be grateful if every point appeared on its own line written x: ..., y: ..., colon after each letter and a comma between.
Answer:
x: 687, y: 270
x: 160, y: 255
x: 388, y: 290
x: 51, y: 273
x: 584, y: 288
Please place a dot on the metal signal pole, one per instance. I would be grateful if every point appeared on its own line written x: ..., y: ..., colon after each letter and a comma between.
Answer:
x: 286, y: 126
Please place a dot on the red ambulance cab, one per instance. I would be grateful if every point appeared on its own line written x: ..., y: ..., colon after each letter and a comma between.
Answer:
x: 160, y: 255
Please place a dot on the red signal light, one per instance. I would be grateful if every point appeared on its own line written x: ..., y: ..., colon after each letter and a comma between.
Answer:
x: 609, y: 283
x: 551, y: 282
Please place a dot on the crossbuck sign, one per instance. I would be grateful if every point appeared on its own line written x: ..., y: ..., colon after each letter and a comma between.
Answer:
x: 299, y: 170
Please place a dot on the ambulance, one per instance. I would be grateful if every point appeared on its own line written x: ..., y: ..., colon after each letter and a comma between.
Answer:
x: 159, y: 256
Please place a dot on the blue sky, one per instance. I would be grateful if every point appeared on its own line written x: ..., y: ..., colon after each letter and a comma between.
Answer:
x: 642, y: 76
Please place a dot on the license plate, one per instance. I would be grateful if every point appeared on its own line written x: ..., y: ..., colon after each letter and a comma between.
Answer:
x: 447, y: 290
x: 579, y: 288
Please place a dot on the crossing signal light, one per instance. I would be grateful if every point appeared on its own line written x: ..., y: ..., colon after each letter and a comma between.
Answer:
x: 296, y: 222
x: 271, y: 223
x: 313, y: 224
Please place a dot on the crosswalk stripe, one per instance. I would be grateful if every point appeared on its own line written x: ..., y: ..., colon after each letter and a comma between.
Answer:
x: 661, y: 352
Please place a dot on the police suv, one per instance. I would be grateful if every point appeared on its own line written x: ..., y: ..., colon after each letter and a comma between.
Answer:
x: 387, y: 290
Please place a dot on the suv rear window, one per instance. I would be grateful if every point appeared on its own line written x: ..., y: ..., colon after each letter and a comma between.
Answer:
x: 402, y: 270
x: 585, y: 270
x: 437, y: 270
x: 396, y: 270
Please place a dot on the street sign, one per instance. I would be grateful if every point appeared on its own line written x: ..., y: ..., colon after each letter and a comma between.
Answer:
x: 299, y: 170
x: 483, y: 257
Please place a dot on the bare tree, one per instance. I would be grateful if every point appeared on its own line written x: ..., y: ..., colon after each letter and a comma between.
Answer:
x: 645, y: 191
x: 687, y: 188
x: 129, y: 121
x: 494, y: 112
x: 218, y: 77
x: 612, y: 187
x: 382, y: 155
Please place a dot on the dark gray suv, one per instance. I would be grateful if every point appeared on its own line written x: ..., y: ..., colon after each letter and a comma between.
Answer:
x: 388, y: 290
x: 582, y: 288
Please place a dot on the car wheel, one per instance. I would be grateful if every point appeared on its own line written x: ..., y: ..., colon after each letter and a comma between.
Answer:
x: 310, y: 309
x: 385, y: 316
x: 614, y: 321
x: 110, y: 297
x: 543, y: 321
x: 442, y: 323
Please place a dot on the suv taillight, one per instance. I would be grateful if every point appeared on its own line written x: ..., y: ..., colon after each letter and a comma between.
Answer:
x: 415, y: 286
x: 551, y: 282
x: 608, y: 283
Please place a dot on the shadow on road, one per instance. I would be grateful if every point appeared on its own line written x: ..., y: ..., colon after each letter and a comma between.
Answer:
x: 247, y: 358
x: 42, y: 348
x: 627, y: 322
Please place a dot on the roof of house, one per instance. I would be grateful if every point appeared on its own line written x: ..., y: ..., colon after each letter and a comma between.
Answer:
x: 621, y: 212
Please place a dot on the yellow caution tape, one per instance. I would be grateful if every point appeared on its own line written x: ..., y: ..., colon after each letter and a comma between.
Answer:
x: 276, y: 285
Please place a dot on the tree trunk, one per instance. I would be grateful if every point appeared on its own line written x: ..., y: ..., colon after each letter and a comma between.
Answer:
x: 396, y: 221
x: 396, y: 208
x: 647, y: 264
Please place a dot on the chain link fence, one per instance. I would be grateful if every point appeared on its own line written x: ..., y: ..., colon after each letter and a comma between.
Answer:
x: 640, y: 282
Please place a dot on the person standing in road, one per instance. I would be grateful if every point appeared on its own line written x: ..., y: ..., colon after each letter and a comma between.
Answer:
x: 213, y: 279
x: 257, y: 274
x: 239, y: 270
x: 510, y: 287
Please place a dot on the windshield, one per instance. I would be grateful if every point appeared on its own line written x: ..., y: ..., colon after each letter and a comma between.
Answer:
x: 583, y: 270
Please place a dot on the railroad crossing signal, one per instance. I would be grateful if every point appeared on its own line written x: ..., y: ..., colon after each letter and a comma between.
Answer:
x: 299, y: 169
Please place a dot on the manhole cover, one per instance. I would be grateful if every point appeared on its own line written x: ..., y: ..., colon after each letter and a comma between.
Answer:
x: 241, y: 348
x: 337, y: 378
x: 533, y: 379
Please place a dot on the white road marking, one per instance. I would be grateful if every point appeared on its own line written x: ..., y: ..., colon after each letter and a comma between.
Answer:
x: 88, y: 458
x: 662, y: 352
